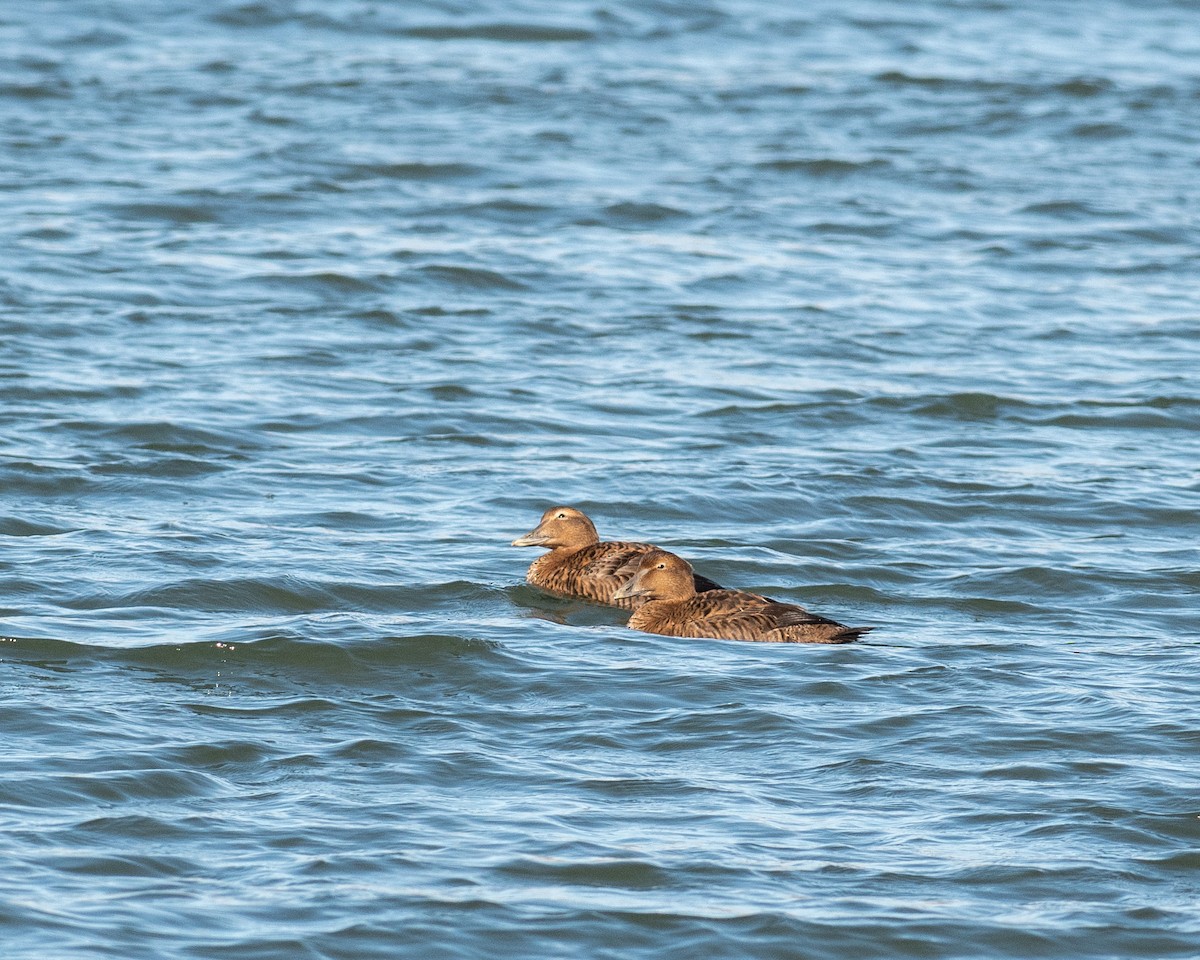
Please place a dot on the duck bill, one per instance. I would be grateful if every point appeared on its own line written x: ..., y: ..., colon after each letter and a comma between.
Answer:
x: 630, y: 590
x: 531, y: 539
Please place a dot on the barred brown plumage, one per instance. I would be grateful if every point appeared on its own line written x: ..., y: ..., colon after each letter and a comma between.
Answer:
x: 580, y: 564
x: 672, y: 607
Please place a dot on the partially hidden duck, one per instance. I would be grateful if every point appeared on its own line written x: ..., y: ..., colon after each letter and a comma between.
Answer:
x: 671, y: 606
x: 582, y: 565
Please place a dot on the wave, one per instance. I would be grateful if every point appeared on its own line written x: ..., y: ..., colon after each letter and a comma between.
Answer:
x: 823, y: 167
x: 501, y: 32
x: 164, y: 436
x: 325, y: 282
x: 289, y: 595
x: 51, y: 89
x: 1084, y: 88
x: 278, y: 651
x: 410, y: 171
x: 183, y: 214
x: 1155, y: 412
x: 18, y: 527
x: 630, y: 212
x: 471, y: 278
x: 256, y: 13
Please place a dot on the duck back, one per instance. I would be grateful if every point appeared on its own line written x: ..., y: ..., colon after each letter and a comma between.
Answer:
x: 596, y: 572
x: 735, y: 615
x: 592, y: 572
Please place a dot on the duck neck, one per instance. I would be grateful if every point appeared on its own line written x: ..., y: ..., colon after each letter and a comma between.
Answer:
x: 651, y: 612
x: 556, y: 557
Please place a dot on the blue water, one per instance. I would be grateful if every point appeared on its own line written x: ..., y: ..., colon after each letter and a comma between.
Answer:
x: 307, y: 309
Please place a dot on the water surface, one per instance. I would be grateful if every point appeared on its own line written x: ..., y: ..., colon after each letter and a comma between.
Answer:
x: 307, y: 310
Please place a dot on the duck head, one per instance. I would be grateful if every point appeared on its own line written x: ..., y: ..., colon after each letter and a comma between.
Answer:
x: 660, y: 576
x: 560, y: 527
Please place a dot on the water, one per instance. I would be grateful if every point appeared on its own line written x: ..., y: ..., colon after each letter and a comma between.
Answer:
x: 306, y: 310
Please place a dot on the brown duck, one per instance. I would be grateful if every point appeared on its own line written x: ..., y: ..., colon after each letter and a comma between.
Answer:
x: 671, y: 606
x: 580, y: 564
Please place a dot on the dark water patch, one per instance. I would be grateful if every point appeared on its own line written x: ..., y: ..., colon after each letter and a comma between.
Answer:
x: 217, y: 100
x: 280, y: 652
x: 633, y: 789
x: 21, y: 477
x: 295, y: 424
x: 958, y: 406
x: 269, y: 119
x: 451, y: 392
x: 348, y: 520
x: 325, y: 282
x: 218, y: 756
x: 1124, y: 420
x: 1168, y: 235
x: 410, y: 171
x: 130, y: 826
x: 274, y: 595
x: 180, y: 214
x: 116, y: 866
x: 842, y: 228
x: 109, y: 788
x: 48, y: 233
x: 625, y: 874
x: 471, y: 278
x: 50, y: 89
x: 508, y: 211
x: 18, y: 527
x: 443, y: 311
x: 823, y: 167
x: 168, y: 468
x: 1101, y: 131
x: 161, y: 436
x: 629, y: 213
x: 901, y: 78
x: 688, y: 731
x: 502, y: 32
x: 391, y: 320
x: 1151, y: 413
x: 1065, y: 209
x: 368, y: 751
x: 257, y: 13
x: 41, y: 62
x: 1085, y: 87
x: 756, y: 405
x: 287, y: 708
x: 97, y: 38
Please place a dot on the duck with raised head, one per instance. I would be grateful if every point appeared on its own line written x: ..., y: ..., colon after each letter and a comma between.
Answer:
x: 672, y: 607
x: 582, y: 565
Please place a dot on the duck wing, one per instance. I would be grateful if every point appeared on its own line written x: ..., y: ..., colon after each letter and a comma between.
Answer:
x: 792, y: 614
x: 704, y: 585
x: 734, y: 615
x: 794, y: 624
x: 602, y: 569
x: 612, y: 558
x: 588, y: 574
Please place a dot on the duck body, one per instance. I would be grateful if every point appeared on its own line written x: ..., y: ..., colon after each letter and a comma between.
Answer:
x: 582, y: 565
x: 672, y: 608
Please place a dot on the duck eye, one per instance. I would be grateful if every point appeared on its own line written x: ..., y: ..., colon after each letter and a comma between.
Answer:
x: 662, y: 566
x: 561, y: 516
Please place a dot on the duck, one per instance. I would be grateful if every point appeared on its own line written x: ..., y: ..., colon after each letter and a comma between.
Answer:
x: 669, y: 605
x: 582, y: 565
